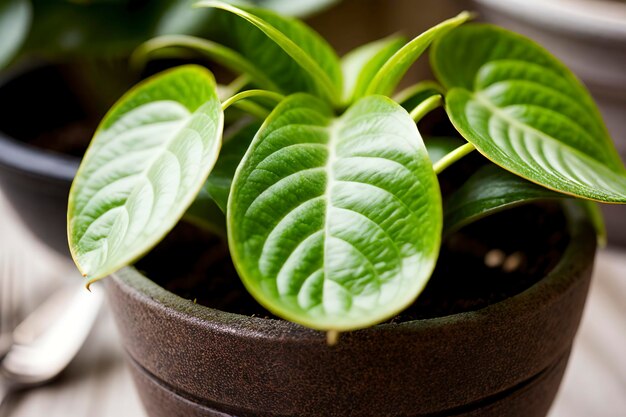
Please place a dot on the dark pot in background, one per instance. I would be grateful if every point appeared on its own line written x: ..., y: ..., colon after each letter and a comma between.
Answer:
x: 589, y: 36
x: 36, y: 181
x: 503, y: 360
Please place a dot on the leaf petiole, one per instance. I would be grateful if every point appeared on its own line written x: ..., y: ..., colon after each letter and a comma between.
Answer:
x: 452, y: 157
x: 252, y: 93
x: 425, y: 107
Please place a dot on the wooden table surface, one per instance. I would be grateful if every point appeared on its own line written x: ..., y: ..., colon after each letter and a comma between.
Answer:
x: 97, y: 384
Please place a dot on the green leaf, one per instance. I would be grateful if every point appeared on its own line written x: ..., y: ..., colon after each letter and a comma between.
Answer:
x: 490, y: 190
x: 361, y: 65
x: 390, y: 75
x: 526, y: 112
x: 288, y: 51
x: 438, y: 147
x: 146, y: 163
x: 15, y: 18
x: 346, y: 234
x: 220, y: 54
x: 235, y: 146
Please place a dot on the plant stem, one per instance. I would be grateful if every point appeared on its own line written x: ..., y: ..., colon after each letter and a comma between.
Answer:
x: 426, y: 107
x: 332, y: 337
x: 452, y: 157
x: 252, y: 93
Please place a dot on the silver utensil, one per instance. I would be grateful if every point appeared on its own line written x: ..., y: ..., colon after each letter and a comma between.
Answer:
x: 49, y: 338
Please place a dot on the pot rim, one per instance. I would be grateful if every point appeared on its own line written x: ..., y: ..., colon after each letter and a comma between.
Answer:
x: 33, y: 161
x: 30, y: 160
x: 578, y: 256
x: 597, y: 19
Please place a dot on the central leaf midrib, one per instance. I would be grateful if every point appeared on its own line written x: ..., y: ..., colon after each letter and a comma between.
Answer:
x: 333, y: 130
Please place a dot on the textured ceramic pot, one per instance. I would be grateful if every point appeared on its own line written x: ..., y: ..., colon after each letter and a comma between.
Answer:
x: 504, y: 360
x: 589, y: 36
x: 35, y: 181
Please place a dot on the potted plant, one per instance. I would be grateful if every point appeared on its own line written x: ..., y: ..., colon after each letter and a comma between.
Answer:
x: 73, y: 57
x: 334, y: 214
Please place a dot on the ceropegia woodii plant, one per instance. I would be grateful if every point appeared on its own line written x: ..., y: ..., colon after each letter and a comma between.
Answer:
x: 330, y: 202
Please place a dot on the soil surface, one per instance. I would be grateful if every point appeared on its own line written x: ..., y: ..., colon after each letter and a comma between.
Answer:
x: 482, y: 264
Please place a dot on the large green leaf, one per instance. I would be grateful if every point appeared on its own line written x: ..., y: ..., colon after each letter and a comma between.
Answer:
x: 361, y: 65
x: 526, y: 112
x: 346, y: 234
x: 15, y: 17
x: 489, y: 190
x: 289, y: 52
x: 146, y: 163
x: 389, y: 76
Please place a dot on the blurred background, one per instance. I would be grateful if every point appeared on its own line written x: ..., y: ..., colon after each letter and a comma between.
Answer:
x: 64, y: 62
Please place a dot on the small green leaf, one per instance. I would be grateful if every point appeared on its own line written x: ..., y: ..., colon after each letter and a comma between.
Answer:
x: 292, y: 54
x: 205, y: 213
x: 15, y: 18
x: 438, y: 147
x: 169, y: 45
x: 489, y: 190
x: 526, y: 112
x: 146, y: 163
x: 361, y: 65
x: 347, y: 233
x: 389, y: 76
x: 235, y: 146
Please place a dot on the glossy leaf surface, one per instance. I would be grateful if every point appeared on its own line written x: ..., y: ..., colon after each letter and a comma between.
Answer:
x: 346, y: 233
x: 489, y: 190
x: 391, y: 73
x: 146, y: 163
x: 526, y: 112
x: 289, y: 52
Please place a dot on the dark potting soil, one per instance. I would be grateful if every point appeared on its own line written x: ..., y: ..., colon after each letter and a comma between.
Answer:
x: 484, y: 263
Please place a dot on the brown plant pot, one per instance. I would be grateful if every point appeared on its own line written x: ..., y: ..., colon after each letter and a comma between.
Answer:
x: 506, y: 359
